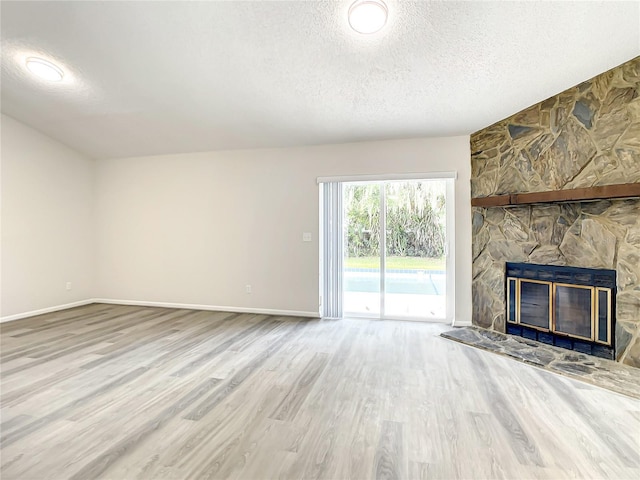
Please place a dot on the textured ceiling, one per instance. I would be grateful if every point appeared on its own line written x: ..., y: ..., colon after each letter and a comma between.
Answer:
x: 167, y: 77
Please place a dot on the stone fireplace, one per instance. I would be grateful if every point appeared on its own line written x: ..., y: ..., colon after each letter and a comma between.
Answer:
x: 568, y: 307
x: 587, y: 136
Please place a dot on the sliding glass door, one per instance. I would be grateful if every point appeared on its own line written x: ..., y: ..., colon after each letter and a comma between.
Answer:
x: 394, y: 249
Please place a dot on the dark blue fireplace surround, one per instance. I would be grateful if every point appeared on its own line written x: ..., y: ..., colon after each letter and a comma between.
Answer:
x: 539, y: 301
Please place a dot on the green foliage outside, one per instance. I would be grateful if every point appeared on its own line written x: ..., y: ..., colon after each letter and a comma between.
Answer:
x: 414, y: 215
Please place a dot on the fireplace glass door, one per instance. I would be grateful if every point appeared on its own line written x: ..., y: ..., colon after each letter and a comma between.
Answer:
x: 603, y: 315
x: 574, y: 310
x: 535, y: 303
x: 569, y: 307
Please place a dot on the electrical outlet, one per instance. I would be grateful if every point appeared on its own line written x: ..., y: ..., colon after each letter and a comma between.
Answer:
x: 248, y: 288
x: 68, y: 285
x: 306, y: 237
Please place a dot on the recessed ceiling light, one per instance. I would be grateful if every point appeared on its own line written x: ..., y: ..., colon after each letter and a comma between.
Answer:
x: 44, y: 69
x: 368, y: 16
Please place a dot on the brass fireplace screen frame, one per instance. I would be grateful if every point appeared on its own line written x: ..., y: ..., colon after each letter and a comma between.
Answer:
x: 552, y: 321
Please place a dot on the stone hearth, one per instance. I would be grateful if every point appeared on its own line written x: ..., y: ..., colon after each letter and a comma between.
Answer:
x: 596, y: 371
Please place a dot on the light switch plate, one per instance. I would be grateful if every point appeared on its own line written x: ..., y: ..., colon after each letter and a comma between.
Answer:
x: 306, y: 237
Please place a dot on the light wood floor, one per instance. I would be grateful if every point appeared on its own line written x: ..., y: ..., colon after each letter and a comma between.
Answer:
x: 128, y: 392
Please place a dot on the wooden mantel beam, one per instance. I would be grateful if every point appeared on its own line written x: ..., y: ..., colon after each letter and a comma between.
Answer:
x: 625, y: 190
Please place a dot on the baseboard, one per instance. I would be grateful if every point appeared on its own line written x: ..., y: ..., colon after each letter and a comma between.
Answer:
x: 42, y: 311
x: 215, y: 308
x: 460, y: 323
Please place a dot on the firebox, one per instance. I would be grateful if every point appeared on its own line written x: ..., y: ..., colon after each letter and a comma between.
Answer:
x: 568, y: 307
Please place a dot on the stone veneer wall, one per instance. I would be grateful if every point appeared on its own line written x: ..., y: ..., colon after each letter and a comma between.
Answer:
x: 586, y: 136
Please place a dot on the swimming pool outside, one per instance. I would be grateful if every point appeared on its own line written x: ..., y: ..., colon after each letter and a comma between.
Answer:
x: 408, y: 293
x: 418, y: 282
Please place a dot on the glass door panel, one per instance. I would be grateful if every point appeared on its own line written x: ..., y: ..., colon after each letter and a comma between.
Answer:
x: 361, y: 278
x: 415, y: 243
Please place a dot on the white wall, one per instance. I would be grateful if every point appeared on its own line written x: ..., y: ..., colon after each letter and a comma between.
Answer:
x: 196, y: 228
x: 47, y: 222
x: 188, y: 229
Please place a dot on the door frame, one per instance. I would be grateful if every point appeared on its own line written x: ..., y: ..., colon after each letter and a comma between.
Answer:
x: 450, y: 178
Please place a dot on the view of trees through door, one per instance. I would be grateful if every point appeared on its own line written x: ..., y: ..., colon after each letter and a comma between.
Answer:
x: 401, y: 273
